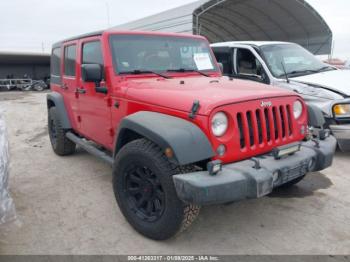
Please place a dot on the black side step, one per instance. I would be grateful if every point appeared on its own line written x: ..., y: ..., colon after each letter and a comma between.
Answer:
x: 89, y: 148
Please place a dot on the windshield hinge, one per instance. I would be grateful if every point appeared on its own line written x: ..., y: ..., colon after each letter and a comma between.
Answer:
x: 194, y: 109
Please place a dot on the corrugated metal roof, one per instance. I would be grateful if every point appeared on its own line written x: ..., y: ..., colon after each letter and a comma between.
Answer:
x: 245, y: 20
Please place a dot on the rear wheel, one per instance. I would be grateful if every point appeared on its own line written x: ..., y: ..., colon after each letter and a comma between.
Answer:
x: 145, y: 192
x: 61, y: 145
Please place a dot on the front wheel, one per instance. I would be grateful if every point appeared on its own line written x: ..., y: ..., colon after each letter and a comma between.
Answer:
x: 145, y: 192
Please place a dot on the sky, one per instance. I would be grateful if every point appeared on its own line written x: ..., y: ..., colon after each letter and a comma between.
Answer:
x: 34, y: 25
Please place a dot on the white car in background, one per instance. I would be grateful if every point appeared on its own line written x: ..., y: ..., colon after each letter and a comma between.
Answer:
x: 290, y: 66
x: 347, y: 64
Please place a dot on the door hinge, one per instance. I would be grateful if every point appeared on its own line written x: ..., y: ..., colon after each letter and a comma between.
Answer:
x: 109, y: 101
x: 79, y: 119
x: 194, y: 109
x: 111, y: 132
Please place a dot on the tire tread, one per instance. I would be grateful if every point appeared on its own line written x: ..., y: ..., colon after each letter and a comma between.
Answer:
x: 64, y: 146
x: 190, y: 211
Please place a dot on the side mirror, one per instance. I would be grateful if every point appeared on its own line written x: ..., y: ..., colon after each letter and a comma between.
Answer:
x: 221, y: 66
x: 92, y: 73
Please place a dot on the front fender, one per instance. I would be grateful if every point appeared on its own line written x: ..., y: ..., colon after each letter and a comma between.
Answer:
x: 188, y: 142
x: 56, y: 99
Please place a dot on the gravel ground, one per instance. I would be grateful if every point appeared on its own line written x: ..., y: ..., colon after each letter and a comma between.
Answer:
x: 65, y: 205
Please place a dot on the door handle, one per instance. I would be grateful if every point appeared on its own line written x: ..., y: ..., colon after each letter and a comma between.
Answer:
x: 80, y: 90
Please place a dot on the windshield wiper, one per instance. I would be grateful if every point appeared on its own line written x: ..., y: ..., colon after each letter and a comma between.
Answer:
x: 183, y: 70
x: 139, y: 72
x: 324, y: 68
x: 297, y: 72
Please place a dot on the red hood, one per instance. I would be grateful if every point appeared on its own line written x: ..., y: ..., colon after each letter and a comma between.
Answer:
x: 210, y: 92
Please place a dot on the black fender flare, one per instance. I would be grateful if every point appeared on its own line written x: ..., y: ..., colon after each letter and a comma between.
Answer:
x: 316, y: 117
x: 56, y: 99
x: 187, y: 141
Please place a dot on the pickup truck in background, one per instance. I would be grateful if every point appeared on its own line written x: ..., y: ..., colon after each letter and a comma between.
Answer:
x: 290, y: 66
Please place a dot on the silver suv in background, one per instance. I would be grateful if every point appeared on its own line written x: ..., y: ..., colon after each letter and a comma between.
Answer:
x: 290, y: 66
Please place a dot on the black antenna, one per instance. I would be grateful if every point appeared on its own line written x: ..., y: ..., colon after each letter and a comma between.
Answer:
x: 285, y: 72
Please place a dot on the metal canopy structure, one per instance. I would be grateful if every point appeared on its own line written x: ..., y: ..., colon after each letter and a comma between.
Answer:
x: 245, y: 20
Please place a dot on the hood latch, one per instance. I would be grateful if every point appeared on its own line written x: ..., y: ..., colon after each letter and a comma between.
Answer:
x: 194, y: 109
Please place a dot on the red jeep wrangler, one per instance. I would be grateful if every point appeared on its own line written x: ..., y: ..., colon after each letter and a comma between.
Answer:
x: 177, y: 133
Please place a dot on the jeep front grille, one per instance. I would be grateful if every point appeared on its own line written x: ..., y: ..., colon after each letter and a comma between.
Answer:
x: 273, y: 124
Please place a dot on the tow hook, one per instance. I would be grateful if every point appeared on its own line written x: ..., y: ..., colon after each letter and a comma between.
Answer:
x: 256, y: 163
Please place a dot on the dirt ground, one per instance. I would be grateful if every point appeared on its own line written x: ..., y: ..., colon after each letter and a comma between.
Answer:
x: 65, y: 205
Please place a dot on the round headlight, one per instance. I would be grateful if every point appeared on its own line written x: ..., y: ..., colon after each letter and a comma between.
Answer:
x: 219, y: 124
x: 342, y: 110
x: 297, y: 109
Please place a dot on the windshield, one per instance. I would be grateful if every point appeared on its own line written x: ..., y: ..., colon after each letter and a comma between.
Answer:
x: 296, y: 60
x: 143, y: 53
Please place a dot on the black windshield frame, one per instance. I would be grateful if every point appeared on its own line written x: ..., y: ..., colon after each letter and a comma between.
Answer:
x: 135, y: 37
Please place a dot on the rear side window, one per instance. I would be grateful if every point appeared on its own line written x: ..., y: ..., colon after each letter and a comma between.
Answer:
x: 56, y: 62
x: 69, y: 60
x: 92, y: 53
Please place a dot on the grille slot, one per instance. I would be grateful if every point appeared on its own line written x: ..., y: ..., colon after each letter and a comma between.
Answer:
x: 260, y: 126
x: 268, y: 124
x: 250, y: 128
x: 284, y: 126
x: 268, y: 127
x: 289, y: 116
x: 276, y: 123
x: 241, y: 132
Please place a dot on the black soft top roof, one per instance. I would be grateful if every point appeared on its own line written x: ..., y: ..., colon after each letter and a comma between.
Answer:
x: 96, y: 33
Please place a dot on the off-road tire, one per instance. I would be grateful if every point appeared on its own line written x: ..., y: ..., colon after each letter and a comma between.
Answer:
x: 292, y: 182
x: 177, y: 215
x: 61, y: 145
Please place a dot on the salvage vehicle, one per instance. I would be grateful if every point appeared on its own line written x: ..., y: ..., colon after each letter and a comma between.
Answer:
x: 178, y: 135
x: 290, y: 66
x: 23, y: 84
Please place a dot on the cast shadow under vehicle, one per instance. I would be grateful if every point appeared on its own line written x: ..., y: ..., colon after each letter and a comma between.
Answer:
x: 307, y: 187
x: 311, y: 183
x: 239, y: 220
x: 340, y: 155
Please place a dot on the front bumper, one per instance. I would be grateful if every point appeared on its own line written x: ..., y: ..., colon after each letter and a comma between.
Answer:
x: 342, y: 134
x: 241, y: 180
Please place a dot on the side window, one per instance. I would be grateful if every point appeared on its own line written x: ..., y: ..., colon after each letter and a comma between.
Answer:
x: 56, y: 62
x: 246, y: 62
x: 248, y: 66
x: 69, y: 60
x: 92, y: 53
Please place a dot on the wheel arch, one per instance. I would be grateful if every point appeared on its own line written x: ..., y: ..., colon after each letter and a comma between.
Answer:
x: 186, y: 140
x: 56, y: 99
